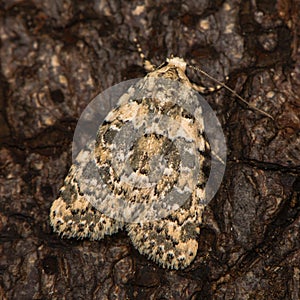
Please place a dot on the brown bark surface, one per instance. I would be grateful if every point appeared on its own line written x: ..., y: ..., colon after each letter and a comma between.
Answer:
x: 57, y: 55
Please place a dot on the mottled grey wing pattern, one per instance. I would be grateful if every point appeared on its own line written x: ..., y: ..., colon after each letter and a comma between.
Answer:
x: 72, y: 215
x: 172, y: 241
x: 169, y: 239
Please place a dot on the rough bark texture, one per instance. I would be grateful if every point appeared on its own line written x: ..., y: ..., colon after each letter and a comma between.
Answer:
x: 57, y: 55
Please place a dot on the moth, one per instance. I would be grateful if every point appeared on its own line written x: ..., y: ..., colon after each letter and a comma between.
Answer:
x: 123, y: 182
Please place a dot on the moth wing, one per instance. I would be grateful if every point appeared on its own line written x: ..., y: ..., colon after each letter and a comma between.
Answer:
x: 170, y: 242
x: 72, y: 215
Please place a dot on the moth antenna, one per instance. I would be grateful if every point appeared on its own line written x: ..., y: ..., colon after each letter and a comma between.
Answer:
x: 221, y: 84
x: 148, y: 66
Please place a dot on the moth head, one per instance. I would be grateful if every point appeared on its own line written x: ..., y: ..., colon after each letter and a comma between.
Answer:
x: 177, y: 62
